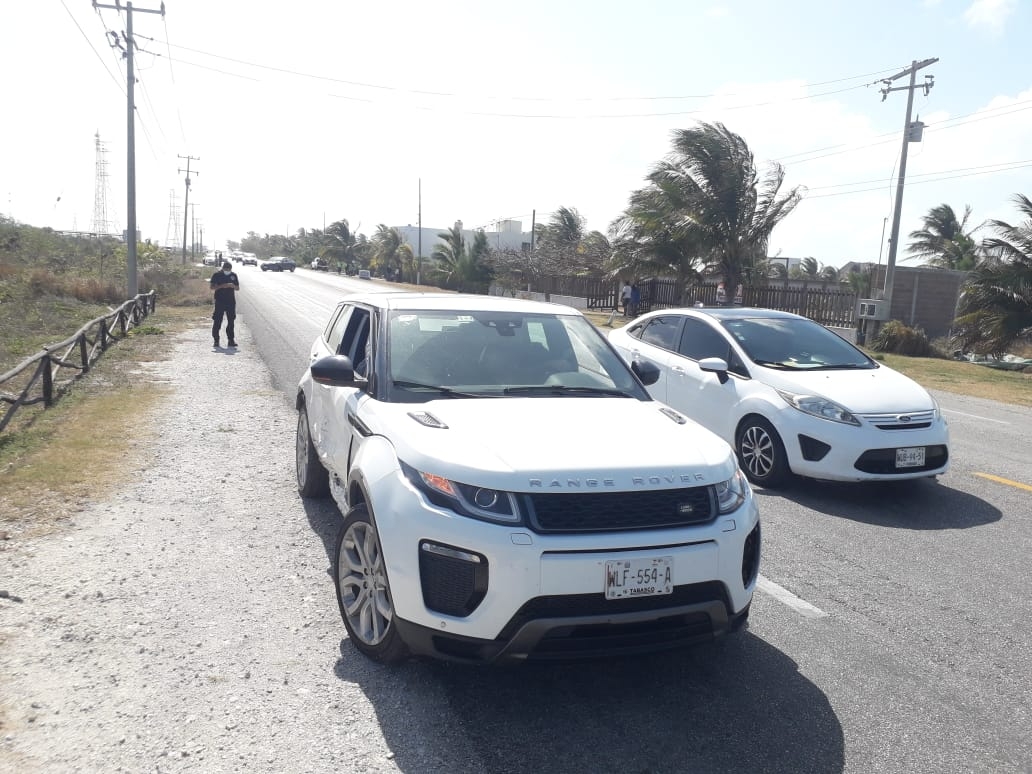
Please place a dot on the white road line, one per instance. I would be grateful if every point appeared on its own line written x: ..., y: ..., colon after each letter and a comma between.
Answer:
x: 976, y: 416
x: 785, y: 596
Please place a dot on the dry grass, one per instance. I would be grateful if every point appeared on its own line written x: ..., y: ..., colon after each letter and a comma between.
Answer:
x: 54, y: 461
x: 964, y: 378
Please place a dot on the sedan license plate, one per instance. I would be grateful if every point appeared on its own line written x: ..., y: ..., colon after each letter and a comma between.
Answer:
x: 910, y: 457
x: 639, y: 577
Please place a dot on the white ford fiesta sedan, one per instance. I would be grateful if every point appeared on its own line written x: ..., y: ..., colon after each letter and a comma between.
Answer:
x: 493, y: 510
x: 789, y: 394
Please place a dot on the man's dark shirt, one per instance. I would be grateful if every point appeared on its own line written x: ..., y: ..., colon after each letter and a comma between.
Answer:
x: 224, y: 297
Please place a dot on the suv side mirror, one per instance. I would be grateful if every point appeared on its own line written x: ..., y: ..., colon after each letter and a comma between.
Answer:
x: 334, y: 371
x: 646, y: 371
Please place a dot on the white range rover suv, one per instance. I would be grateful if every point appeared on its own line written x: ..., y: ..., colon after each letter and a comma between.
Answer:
x: 509, y: 489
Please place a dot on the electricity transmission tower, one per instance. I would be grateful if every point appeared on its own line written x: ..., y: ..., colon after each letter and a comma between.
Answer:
x: 172, y: 229
x: 102, y: 221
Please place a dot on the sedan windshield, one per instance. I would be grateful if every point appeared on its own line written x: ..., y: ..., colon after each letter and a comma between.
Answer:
x: 795, y: 344
x: 465, y: 354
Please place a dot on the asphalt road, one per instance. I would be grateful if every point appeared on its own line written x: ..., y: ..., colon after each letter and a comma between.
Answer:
x: 891, y: 632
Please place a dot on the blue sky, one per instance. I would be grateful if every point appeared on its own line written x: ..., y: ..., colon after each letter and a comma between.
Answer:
x: 322, y: 108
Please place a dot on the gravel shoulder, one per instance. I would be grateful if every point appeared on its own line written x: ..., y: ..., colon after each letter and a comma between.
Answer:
x: 188, y: 623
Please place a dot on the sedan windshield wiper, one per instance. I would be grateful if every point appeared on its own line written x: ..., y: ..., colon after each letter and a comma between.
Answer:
x: 559, y: 389
x: 841, y: 366
x: 774, y: 364
x: 447, y: 392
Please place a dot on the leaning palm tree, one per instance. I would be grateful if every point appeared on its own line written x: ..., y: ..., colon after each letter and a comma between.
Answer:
x: 389, y: 250
x: 996, y: 305
x: 338, y: 242
x: 466, y: 267
x: 642, y: 245
x: 810, y: 268
x: 943, y: 242
x: 708, y: 190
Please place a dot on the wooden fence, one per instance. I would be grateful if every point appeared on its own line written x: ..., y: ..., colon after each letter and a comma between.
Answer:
x: 829, y: 303
x: 78, y: 352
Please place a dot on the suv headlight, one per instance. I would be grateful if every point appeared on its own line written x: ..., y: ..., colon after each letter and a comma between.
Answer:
x: 816, y: 406
x: 732, y: 493
x: 474, y: 501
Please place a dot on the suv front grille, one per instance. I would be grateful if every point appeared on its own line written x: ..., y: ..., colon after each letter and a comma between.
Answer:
x: 574, y: 605
x: 609, y: 511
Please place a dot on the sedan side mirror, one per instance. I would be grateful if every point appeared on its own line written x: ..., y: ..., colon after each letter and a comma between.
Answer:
x: 334, y: 371
x: 715, y: 365
x: 646, y: 371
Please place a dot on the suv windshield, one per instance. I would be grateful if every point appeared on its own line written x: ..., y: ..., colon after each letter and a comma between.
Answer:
x: 489, y: 353
x: 788, y: 343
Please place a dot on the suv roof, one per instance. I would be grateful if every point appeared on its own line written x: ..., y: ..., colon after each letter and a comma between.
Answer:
x: 457, y: 301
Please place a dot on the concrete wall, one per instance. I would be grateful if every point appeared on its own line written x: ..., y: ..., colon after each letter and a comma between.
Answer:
x: 925, y: 298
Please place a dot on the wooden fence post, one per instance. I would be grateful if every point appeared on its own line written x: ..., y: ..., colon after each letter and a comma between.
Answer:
x: 48, y: 381
x: 103, y: 334
x: 83, y: 354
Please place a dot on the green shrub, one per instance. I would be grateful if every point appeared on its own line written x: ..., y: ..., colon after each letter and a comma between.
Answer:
x: 900, y: 339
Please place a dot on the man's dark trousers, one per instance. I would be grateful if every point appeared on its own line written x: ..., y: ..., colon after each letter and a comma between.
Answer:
x: 229, y: 311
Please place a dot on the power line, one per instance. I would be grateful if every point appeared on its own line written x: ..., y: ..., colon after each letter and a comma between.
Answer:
x: 988, y: 167
x: 515, y: 98
x: 99, y: 57
x: 922, y: 182
x: 175, y: 88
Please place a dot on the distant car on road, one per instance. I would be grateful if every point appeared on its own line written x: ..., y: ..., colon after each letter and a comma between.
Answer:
x: 320, y: 264
x: 364, y: 274
x: 249, y: 259
x: 279, y: 263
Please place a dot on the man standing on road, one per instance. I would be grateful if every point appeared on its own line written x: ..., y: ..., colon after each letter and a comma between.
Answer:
x: 224, y: 287
x: 625, y: 297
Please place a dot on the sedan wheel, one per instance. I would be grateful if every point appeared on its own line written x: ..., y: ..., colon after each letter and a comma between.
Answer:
x: 363, y: 591
x: 761, y: 453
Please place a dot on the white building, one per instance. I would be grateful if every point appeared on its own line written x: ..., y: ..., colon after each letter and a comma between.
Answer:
x: 501, y: 235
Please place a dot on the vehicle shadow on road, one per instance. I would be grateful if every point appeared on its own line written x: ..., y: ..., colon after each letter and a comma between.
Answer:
x: 324, y: 518
x: 734, y: 705
x: 921, y: 504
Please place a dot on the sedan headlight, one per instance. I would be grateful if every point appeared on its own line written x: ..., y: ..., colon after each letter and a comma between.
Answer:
x: 732, y: 493
x: 474, y: 501
x: 817, y: 406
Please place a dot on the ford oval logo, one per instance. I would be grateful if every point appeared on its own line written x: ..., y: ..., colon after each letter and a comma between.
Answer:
x: 903, y: 418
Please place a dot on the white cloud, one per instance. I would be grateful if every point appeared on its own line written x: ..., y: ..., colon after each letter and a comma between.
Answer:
x: 989, y: 15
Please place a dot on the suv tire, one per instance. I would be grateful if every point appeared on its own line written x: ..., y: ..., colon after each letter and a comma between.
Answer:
x: 363, y: 591
x: 313, y: 480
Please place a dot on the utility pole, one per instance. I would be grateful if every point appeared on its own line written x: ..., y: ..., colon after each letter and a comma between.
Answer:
x: 908, y: 137
x: 127, y: 52
x: 193, y: 232
x: 186, y: 202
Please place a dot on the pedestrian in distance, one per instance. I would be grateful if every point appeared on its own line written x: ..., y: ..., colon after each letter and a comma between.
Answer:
x: 224, y: 287
x: 635, y: 299
x: 625, y: 297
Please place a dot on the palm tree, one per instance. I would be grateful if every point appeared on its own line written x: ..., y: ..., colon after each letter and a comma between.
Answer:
x: 466, y: 267
x: 338, y: 243
x: 996, y: 305
x: 809, y: 268
x: 563, y: 243
x: 708, y: 191
x: 642, y: 245
x: 830, y: 273
x: 942, y: 241
x: 390, y: 252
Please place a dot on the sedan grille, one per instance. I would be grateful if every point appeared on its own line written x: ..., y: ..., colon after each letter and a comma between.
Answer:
x: 609, y: 511
x: 913, y: 420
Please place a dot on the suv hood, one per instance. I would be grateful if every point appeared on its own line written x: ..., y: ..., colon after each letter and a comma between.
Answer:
x: 874, y: 391
x: 559, y: 444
